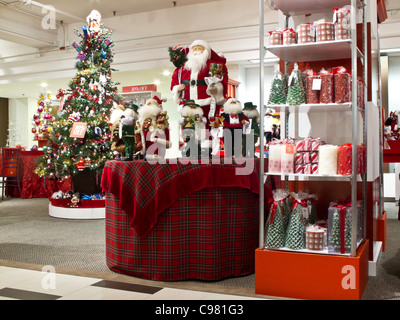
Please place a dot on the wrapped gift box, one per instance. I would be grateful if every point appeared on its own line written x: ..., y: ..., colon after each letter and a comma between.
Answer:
x: 316, y: 238
x: 275, y: 38
x: 289, y: 37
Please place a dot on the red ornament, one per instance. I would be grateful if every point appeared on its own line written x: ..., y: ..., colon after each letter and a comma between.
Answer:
x: 81, y: 165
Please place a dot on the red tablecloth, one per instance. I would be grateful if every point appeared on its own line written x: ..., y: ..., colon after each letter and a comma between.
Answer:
x: 174, y: 222
x: 33, y: 186
x: 146, y: 189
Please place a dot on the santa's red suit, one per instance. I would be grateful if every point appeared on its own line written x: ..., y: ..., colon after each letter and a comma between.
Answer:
x: 196, y: 86
x: 234, y: 121
x: 152, y: 135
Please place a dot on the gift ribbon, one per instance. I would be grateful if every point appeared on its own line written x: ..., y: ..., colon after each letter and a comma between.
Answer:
x: 274, y: 207
x: 302, y: 202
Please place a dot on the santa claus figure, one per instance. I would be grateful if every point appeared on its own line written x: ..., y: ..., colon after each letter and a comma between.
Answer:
x: 203, y: 78
x: 234, y: 123
x: 193, y: 123
x: 152, y: 134
x: 117, y: 146
x: 251, y: 137
x: 127, y: 131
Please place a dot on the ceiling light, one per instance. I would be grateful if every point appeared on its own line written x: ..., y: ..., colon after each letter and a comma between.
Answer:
x: 157, y: 82
x: 43, y: 85
x: 166, y: 73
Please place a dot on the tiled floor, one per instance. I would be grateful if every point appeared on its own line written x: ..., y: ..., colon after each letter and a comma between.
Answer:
x: 24, y: 284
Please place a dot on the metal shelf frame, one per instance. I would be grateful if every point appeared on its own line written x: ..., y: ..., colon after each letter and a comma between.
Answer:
x: 355, y: 55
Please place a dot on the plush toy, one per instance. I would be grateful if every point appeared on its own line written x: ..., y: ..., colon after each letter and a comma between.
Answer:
x: 152, y: 133
x: 193, y: 125
x: 127, y: 130
x: 57, y: 195
x: 75, y: 200
x: 234, y: 123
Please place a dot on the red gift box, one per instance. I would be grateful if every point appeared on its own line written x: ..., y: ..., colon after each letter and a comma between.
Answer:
x: 315, y: 143
x: 312, y: 95
x: 305, y: 33
x: 275, y: 38
x: 342, y: 85
x: 314, y: 157
x: 327, y: 87
x: 288, y: 37
x: 298, y: 159
x: 299, y: 169
x: 345, y: 159
x: 299, y: 145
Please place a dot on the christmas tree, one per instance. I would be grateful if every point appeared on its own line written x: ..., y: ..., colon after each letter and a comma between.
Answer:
x: 177, y: 56
x: 296, y: 94
x: 275, y: 233
x: 335, y: 240
x: 87, y: 107
x: 42, y: 119
x: 295, y: 234
x: 277, y: 93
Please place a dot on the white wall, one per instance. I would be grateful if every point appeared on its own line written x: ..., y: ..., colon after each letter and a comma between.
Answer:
x: 249, y: 89
x: 19, y: 122
x: 393, y: 83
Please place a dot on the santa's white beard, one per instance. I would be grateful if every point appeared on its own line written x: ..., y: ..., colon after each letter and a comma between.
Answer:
x: 149, y: 111
x: 196, y: 61
x: 251, y: 114
x: 232, y: 108
x: 191, y: 112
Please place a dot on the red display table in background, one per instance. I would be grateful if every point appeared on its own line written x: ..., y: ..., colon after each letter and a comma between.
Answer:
x: 173, y: 222
x: 33, y: 186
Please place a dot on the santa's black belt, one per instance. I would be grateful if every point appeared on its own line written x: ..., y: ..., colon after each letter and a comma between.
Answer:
x: 194, y: 83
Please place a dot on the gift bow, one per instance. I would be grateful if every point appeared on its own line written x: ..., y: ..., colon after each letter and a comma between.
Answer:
x: 302, y: 202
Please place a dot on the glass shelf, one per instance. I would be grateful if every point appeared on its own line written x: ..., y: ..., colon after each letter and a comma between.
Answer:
x: 314, y: 51
x: 301, y: 7
x: 321, y: 252
x: 306, y: 177
x: 305, y: 108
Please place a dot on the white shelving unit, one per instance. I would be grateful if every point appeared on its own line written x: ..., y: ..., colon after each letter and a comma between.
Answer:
x: 323, y: 51
x: 285, y: 272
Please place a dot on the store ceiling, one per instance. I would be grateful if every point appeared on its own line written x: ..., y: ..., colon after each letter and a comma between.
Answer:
x: 74, y: 11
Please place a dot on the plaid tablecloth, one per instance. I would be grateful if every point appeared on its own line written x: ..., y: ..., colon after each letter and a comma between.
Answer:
x: 146, y: 189
x: 207, y: 228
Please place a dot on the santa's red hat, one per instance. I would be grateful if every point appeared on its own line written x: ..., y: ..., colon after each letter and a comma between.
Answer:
x: 157, y: 100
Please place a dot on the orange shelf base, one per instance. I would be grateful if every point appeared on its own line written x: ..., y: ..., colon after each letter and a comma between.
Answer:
x: 381, y: 230
x: 311, y: 276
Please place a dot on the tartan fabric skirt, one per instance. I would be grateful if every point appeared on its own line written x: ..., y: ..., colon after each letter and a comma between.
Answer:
x: 210, y: 234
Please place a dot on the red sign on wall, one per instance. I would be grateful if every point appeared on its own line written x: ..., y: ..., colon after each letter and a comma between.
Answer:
x: 141, y: 88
